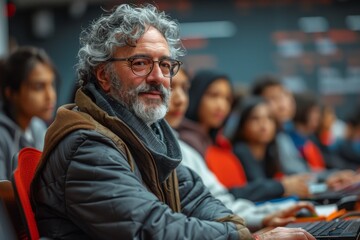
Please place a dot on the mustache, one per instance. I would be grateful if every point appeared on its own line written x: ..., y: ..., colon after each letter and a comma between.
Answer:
x: 153, y: 87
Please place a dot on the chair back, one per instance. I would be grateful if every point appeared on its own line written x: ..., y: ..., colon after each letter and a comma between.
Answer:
x: 28, y: 159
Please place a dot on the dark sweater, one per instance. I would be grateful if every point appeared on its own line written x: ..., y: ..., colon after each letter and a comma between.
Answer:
x: 267, y: 188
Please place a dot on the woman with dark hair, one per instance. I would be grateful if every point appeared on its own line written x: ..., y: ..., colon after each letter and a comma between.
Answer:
x: 28, y: 99
x: 210, y: 97
x: 210, y: 100
x: 283, y: 107
x: 254, y: 136
x: 255, y: 146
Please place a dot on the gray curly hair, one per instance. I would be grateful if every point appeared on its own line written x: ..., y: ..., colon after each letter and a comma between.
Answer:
x: 123, y: 26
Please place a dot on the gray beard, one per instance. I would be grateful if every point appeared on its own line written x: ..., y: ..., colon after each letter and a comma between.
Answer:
x: 130, y: 99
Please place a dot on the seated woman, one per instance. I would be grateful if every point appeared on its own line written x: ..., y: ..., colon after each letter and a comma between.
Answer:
x: 29, y: 98
x: 210, y: 104
x: 255, y: 146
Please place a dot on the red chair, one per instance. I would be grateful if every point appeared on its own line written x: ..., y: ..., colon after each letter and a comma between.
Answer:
x: 28, y: 159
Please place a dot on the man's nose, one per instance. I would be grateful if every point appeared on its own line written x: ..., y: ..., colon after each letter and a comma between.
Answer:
x: 156, y: 74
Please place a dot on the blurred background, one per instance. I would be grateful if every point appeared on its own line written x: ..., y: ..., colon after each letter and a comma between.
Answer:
x: 309, y: 44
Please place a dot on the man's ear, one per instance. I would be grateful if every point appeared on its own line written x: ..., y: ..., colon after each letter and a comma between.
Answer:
x: 103, y: 78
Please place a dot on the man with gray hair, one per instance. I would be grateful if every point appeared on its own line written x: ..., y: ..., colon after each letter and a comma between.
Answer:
x: 110, y: 168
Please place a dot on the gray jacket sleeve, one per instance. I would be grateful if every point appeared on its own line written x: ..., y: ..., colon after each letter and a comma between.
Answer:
x: 196, y: 199
x: 107, y: 201
x: 5, y: 156
x: 3, y: 174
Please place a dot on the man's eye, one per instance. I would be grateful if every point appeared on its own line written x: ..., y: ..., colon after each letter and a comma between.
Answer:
x: 140, y: 62
x: 166, y: 64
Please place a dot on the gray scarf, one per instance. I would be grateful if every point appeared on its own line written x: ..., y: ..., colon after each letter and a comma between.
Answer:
x: 159, y: 138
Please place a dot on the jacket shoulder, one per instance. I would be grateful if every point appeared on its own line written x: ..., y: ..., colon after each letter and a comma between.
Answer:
x: 85, y: 138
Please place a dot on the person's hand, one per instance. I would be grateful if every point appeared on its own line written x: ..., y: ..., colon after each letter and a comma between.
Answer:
x: 286, y: 216
x: 297, y: 185
x: 341, y: 179
x: 281, y: 233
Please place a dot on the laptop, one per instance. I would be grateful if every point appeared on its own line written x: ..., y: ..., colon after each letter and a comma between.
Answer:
x: 336, y: 229
x: 329, y: 197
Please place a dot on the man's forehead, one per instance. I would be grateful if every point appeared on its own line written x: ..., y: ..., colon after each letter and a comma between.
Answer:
x: 151, y: 42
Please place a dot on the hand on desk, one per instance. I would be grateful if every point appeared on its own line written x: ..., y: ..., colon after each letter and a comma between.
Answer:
x: 342, y: 178
x: 286, y: 216
x: 297, y: 185
x: 281, y: 233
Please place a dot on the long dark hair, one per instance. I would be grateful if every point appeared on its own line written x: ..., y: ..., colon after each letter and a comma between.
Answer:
x: 244, y: 109
x: 199, y: 84
x: 16, y: 68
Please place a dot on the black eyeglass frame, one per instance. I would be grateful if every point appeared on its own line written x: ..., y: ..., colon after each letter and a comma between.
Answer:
x: 131, y: 59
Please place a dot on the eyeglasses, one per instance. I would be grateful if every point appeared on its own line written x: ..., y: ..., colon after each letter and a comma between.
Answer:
x: 142, y: 66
